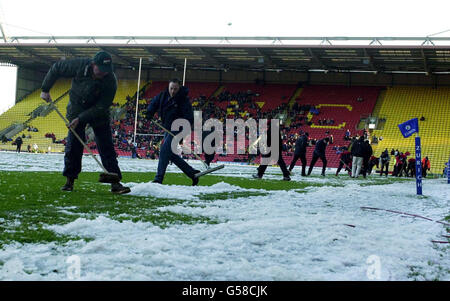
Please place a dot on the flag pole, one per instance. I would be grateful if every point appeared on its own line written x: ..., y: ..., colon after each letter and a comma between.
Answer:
x: 137, y: 100
x: 448, y: 171
x: 184, y: 72
x: 418, y: 154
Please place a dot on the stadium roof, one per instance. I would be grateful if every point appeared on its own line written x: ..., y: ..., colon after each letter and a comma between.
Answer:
x: 344, y: 54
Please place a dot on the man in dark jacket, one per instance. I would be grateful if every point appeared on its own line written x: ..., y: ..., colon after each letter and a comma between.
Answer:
x: 171, y: 104
x: 19, y: 143
x: 94, y: 86
x: 385, y: 158
x: 367, y: 153
x: 319, y: 152
x: 411, y: 169
x: 373, y: 161
x: 300, y: 152
x: 345, y: 159
x: 262, y: 168
x: 358, y: 155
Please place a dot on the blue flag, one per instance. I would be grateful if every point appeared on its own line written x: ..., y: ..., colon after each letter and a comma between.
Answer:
x: 409, y: 127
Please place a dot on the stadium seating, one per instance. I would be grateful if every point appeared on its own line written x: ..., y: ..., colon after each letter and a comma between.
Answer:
x: 21, y: 111
x: 404, y: 103
x: 47, y: 124
x: 51, y: 123
x: 196, y: 89
x: 339, y: 103
x: 126, y: 88
x: 267, y: 97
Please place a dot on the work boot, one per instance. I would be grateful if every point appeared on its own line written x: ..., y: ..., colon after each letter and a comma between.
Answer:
x: 118, y: 188
x: 69, y: 184
x: 195, y: 179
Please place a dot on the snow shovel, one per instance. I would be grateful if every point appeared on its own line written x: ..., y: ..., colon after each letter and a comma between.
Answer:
x: 106, y: 176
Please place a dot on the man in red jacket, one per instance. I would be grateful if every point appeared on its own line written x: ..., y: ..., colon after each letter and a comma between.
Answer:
x: 345, y: 159
x: 425, y: 166
x: 411, y: 169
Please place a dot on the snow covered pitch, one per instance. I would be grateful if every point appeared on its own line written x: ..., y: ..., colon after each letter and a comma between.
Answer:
x: 231, y: 227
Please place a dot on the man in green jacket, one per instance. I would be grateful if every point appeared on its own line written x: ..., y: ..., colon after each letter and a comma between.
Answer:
x: 94, y: 86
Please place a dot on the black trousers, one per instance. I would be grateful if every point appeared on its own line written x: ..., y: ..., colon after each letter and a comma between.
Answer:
x: 382, y: 168
x: 365, y: 166
x: 411, y: 171
x: 341, y: 164
x: 74, y: 150
x: 315, y: 157
x: 396, y: 170
x: 401, y: 169
x: 280, y: 162
x: 302, y: 157
x: 209, y: 158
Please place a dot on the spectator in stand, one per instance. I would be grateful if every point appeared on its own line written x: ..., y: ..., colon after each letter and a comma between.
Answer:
x: 134, y: 153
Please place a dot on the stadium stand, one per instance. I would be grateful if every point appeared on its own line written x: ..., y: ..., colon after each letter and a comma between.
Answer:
x: 263, y: 97
x: 339, y: 108
x: 33, y: 113
x: 126, y: 88
x: 342, y: 106
x: 404, y: 103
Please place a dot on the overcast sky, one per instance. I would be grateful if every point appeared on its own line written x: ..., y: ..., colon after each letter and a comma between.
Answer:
x: 351, y: 18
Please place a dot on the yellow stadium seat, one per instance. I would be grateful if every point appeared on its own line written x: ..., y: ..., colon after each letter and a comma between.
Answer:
x: 400, y: 104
